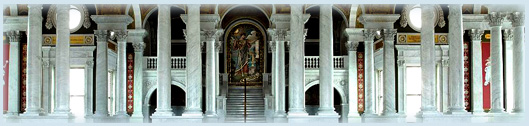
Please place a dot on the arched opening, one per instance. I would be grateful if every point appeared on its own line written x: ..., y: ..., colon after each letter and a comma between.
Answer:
x: 177, y: 34
x: 178, y: 101
x: 313, y: 35
x: 312, y: 100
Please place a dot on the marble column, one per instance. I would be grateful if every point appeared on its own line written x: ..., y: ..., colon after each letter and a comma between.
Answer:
x: 163, y: 69
x: 34, y: 64
x: 517, y: 19
x: 369, y: 71
x: 121, y: 94
x: 46, y: 83
x: 389, y: 72
x: 211, y: 35
x: 296, y: 78
x: 89, y: 84
x: 326, y: 62
x: 352, y: 70
x: 401, y: 84
x: 477, y: 76
x: 272, y: 45
x: 279, y: 37
x: 428, y: 105
x: 139, y: 46
x: 495, y: 21
x: 14, y: 73
x: 101, y: 73
x: 62, y: 62
x: 507, y: 66
x: 194, y: 63
x: 218, y: 49
x: 456, y: 72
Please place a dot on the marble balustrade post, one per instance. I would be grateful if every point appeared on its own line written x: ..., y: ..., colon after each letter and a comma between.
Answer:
x: 456, y: 72
x: 163, y: 69
x: 517, y: 19
x: 14, y: 73
x: 389, y: 72
x: 101, y: 73
x: 326, y: 69
x: 495, y: 21
x: 121, y: 78
x: 369, y: 71
x: 138, y: 78
x: 34, y: 64
x: 89, y: 84
x: 477, y: 76
x: 194, y: 64
x: 296, y: 80
x: 428, y: 105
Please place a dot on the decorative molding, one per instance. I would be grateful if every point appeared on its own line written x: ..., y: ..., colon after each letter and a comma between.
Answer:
x: 439, y: 15
x: 415, y: 38
x: 279, y: 34
x: 121, y: 35
x: 75, y: 39
x: 85, y: 17
x: 517, y: 19
x: 495, y: 18
x: 369, y: 34
x: 476, y: 34
x: 508, y: 34
x: 445, y: 62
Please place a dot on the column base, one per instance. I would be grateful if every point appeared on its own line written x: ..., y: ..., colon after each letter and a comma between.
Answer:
x: 354, y: 118
x: 61, y: 114
x: 192, y: 113
x: 136, y: 118
x: 429, y: 116
x: 211, y: 119
x: 457, y: 112
x: 500, y: 110
x: 11, y: 114
x: 99, y: 114
x: 211, y: 114
x: 326, y: 112
x: 33, y: 112
x: 121, y: 114
x: 384, y: 118
x: 137, y: 114
x: 297, y: 113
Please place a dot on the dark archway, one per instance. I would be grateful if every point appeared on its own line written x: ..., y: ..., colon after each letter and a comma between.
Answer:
x: 312, y: 100
x: 178, y: 101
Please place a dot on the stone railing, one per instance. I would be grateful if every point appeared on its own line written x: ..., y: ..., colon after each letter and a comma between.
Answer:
x: 313, y: 62
x: 151, y: 62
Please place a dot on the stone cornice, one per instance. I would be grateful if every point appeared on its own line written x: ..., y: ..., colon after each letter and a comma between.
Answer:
x: 378, y: 21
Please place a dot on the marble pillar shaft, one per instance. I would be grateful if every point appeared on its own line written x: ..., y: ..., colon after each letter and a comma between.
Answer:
x: 389, y: 72
x: 121, y: 70
x: 369, y: 71
x: 280, y: 87
x: 496, y: 60
x: 210, y: 75
x: 352, y: 78
x: 89, y: 80
x: 326, y: 67
x: 14, y: 73
x: 507, y: 66
x: 163, y: 107
x: 62, y: 61
x: 401, y: 87
x: 456, y: 72
x: 427, y: 59
x: 296, y: 78
x: 477, y: 76
x: 518, y: 61
x: 138, y: 78
x: 34, y: 64
x: 194, y: 64
x: 101, y: 73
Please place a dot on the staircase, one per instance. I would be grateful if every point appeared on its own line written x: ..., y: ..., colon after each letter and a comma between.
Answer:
x: 254, y: 105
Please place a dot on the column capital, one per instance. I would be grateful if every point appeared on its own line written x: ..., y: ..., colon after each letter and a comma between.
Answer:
x: 495, y: 18
x: 517, y: 19
x: 14, y: 36
x: 508, y: 34
x: 138, y: 46
x: 445, y: 62
x: 272, y: 46
x: 389, y: 34
x: 89, y: 64
x: 218, y: 46
x: 46, y: 63
x: 475, y: 34
x: 401, y: 62
x: 211, y: 35
x: 351, y: 45
x: 121, y: 35
x: 101, y: 35
x: 369, y: 34
x: 279, y: 34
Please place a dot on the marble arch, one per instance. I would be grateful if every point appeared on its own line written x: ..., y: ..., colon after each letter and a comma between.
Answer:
x: 337, y: 87
x: 153, y: 87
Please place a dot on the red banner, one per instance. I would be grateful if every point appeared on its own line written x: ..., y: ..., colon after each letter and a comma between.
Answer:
x: 467, y: 75
x: 6, y: 74
x: 360, y: 65
x: 485, y: 55
x: 130, y: 83
x: 23, y: 78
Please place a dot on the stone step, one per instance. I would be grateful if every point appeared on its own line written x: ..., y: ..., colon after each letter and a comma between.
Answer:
x: 247, y: 112
x: 242, y: 103
x: 247, y: 100
x: 228, y: 108
x: 247, y: 96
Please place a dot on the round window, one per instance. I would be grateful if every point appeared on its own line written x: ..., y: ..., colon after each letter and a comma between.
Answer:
x: 415, y: 20
x: 75, y: 18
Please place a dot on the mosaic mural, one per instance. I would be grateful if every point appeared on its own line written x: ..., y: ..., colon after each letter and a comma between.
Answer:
x: 245, y: 53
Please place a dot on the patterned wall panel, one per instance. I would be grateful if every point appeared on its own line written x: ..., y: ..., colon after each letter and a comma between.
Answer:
x: 23, y: 77
x: 466, y: 57
x: 130, y: 83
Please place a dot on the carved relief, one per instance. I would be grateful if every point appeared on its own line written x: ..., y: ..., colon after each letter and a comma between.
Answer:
x: 495, y: 18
